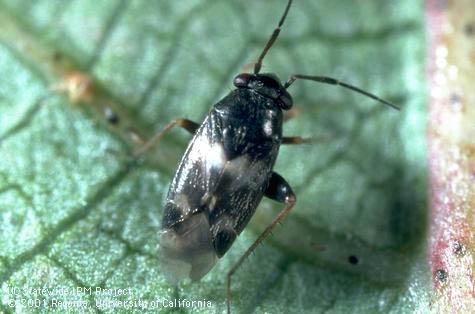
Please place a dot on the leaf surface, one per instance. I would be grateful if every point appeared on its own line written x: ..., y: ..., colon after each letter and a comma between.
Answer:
x: 73, y: 213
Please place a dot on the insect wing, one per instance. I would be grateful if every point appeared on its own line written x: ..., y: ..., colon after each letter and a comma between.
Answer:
x: 186, y: 247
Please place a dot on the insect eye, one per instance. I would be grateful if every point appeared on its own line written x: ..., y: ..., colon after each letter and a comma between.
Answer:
x: 242, y: 80
x: 286, y: 101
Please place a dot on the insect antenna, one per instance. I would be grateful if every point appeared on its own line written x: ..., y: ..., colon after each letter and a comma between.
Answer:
x: 332, y: 81
x: 273, y: 37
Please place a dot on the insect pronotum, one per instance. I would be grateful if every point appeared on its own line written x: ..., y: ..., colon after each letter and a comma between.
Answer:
x: 227, y: 169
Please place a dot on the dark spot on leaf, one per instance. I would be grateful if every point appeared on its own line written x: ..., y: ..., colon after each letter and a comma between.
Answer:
x: 455, y: 99
x: 57, y: 56
x: 111, y: 116
x: 469, y: 29
x: 352, y: 259
x: 458, y: 249
x: 441, y: 275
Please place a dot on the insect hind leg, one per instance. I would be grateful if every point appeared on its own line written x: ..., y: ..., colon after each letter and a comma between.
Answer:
x: 186, y: 124
x: 280, y: 191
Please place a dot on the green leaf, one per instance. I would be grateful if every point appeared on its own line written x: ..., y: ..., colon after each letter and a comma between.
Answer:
x: 76, y: 217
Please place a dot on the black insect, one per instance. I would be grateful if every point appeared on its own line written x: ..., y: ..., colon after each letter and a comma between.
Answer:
x: 227, y: 169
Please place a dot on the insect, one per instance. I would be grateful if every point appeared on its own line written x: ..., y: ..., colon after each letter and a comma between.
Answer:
x: 227, y: 169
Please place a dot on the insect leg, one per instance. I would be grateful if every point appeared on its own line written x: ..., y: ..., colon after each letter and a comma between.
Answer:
x: 296, y: 140
x: 186, y: 124
x: 278, y: 190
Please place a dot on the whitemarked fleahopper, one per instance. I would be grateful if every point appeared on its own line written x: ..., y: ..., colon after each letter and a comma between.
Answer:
x: 227, y: 169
